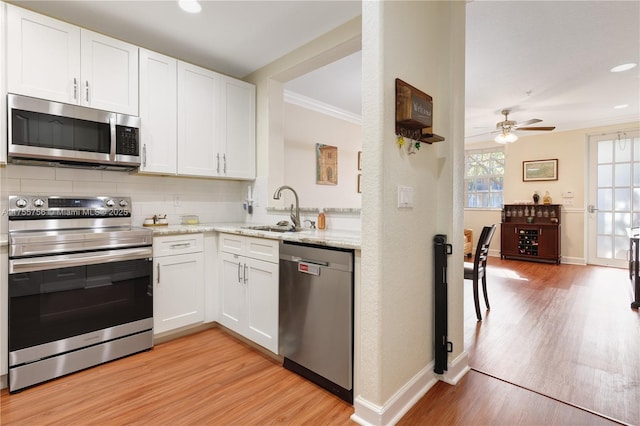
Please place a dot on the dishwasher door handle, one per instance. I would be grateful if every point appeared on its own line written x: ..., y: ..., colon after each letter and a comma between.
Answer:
x: 315, y: 262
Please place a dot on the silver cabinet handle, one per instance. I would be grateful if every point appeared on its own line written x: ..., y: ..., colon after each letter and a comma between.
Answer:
x: 245, y: 273
x: 239, y: 277
x: 158, y: 281
x: 144, y: 155
x: 224, y: 158
x: 75, y: 88
x: 218, y: 163
x: 87, y: 90
x: 180, y: 245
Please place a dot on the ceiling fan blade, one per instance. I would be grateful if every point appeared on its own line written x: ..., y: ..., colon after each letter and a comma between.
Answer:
x: 537, y: 128
x: 526, y: 123
x: 485, y: 133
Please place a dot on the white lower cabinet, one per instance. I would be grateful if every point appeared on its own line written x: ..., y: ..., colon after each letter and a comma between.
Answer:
x: 178, y: 282
x: 249, y: 288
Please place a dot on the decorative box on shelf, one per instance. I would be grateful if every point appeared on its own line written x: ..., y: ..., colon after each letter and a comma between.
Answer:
x: 531, y: 232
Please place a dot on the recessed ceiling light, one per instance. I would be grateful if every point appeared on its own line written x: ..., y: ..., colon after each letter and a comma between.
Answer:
x: 623, y: 67
x: 621, y: 106
x: 190, y: 6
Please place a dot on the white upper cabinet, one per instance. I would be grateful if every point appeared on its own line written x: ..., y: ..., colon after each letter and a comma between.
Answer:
x: 198, y: 129
x: 53, y: 60
x: 238, y: 138
x: 158, y: 112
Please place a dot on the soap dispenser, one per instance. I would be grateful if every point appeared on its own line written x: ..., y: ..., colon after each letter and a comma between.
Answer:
x: 321, y: 220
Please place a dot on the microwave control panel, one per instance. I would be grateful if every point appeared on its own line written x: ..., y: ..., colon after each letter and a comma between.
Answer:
x: 127, y: 140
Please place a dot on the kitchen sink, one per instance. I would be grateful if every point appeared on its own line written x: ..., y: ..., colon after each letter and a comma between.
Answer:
x: 270, y: 228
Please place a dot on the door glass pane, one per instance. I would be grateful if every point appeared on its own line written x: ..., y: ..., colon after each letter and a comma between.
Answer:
x: 605, y: 221
x: 604, y: 247
x: 622, y: 222
x: 621, y: 247
x: 622, y: 149
x: 623, y: 174
x: 605, y: 173
x: 623, y: 199
x: 605, y: 199
x: 605, y: 152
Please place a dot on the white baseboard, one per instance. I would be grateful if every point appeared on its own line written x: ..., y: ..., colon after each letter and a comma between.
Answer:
x: 367, y: 413
x: 456, y: 369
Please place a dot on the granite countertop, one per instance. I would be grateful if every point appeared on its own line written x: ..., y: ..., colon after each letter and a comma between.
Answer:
x: 339, y: 238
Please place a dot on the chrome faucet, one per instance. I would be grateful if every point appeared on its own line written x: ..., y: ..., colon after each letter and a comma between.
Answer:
x: 295, y: 216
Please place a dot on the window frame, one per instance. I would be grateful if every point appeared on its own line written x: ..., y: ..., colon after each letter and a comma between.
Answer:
x: 489, y: 198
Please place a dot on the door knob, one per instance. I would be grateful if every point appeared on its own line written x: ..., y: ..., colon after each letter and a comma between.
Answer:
x: 592, y: 208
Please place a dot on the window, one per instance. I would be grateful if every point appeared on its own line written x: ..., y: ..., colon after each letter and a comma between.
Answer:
x: 483, y: 177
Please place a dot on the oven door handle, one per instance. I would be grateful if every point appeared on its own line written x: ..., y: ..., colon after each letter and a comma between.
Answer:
x: 42, y: 263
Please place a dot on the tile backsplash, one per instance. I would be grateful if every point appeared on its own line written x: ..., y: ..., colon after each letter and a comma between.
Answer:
x: 211, y: 200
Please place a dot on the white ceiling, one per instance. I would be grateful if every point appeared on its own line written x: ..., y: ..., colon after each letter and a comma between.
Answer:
x: 543, y: 59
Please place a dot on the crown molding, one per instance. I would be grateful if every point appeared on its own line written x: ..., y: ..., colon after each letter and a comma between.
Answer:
x: 321, y: 107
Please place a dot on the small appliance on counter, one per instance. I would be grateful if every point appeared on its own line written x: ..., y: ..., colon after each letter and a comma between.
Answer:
x: 190, y: 219
x: 156, y: 220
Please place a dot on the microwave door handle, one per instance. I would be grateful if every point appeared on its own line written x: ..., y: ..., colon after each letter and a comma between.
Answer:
x: 112, y: 131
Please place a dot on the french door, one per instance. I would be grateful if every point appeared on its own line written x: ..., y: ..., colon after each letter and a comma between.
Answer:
x: 613, y: 204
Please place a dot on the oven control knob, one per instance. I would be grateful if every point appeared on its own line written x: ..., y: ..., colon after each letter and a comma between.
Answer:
x: 38, y: 202
x: 21, y: 203
x: 110, y: 203
x: 123, y: 203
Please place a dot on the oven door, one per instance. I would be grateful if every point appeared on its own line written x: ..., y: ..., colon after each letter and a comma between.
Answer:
x: 62, y: 303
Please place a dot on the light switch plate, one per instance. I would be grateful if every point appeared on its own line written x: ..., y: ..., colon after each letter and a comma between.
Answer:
x: 405, y: 197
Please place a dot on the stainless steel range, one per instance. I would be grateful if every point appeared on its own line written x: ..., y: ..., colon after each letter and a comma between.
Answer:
x: 80, y: 285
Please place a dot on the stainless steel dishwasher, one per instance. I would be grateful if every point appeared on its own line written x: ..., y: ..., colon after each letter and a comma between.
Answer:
x: 316, y: 315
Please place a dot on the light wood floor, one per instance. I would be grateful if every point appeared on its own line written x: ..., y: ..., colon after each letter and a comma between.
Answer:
x: 212, y: 378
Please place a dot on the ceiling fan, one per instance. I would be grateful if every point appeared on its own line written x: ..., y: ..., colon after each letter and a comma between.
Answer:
x: 506, y: 128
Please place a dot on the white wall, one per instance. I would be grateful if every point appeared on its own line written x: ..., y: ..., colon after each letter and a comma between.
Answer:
x: 303, y: 128
x: 570, y: 148
x: 423, y: 44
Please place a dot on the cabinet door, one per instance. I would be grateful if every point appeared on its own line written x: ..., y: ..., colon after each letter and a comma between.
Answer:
x: 109, y: 73
x: 3, y: 90
x: 508, y: 240
x: 232, y: 289
x: 158, y: 112
x: 262, y: 303
x: 549, y: 242
x: 238, y: 128
x: 197, y: 127
x: 178, y: 298
x: 43, y: 56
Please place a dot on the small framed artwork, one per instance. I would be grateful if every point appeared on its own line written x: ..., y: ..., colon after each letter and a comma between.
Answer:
x: 359, y: 160
x: 540, y: 170
x: 326, y: 164
x: 359, y: 183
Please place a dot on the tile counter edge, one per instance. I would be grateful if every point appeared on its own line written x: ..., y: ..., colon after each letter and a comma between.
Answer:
x: 332, y: 238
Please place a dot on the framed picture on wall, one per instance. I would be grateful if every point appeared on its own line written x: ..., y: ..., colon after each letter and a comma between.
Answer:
x: 326, y: 164
x: 540, y: 170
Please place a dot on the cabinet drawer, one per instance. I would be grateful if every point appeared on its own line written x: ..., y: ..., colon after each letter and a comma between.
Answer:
x: 177, y: 244
x: 255, y: 248
x: 262, y: 249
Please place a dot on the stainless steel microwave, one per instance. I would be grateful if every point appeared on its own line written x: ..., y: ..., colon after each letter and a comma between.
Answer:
x: 52, y: 133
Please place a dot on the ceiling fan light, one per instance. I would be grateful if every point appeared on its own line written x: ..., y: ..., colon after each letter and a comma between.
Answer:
x: 190, y: 6
x: 507, y: 137
x: 623, y: 67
